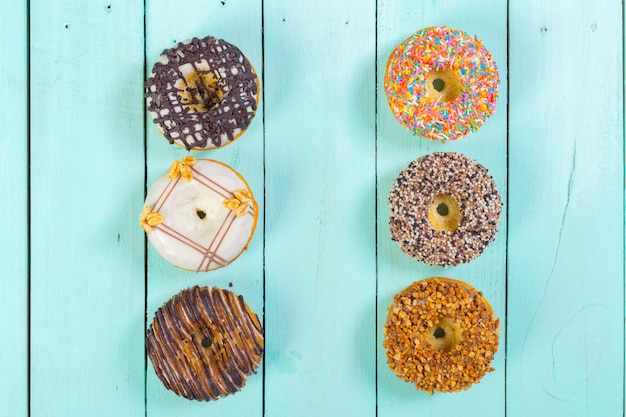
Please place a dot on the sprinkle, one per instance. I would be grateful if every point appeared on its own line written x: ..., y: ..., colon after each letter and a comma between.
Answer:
x: 441, y: 48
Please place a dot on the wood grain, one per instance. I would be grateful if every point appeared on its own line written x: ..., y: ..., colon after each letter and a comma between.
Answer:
x: 397, y: 146
x: 566, y: 253
x: 14, y: 208
x: 320, y: 199
x: 321, y: 269
x: 87, y: 169
x: 240, y: 24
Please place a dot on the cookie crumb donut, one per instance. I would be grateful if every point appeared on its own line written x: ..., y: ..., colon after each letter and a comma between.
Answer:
x: 200, y: 215
x: 441, y: 83
x: 445, y: 208
x: 441, y: 335
x: 202, y: 94
x: 204, y: 343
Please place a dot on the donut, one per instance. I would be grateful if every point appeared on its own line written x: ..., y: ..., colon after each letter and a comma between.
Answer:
x: 202, y: 94
x: 204, y: 342
x: 444, y: 209
x: 441, y: 83
x: 200, y: 215
x: 440, y: 334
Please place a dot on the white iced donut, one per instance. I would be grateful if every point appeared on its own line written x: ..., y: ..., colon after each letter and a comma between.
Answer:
x: 201, y: 215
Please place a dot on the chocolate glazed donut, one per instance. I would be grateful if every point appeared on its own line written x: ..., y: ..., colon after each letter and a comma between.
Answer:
x: 204, y: 343
x: 203, y: 94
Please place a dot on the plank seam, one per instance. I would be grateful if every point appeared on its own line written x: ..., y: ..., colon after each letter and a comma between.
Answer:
x: 145, y: 191
x: 624, y: 211
x: 264, y: 195
x: 28, y: 213
x: 376, y: 203
x: 506, y: 216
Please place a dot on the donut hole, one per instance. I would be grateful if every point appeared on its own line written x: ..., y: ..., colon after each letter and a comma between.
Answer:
x: 200, y: 92
x: 201, y: 214
x: 439, y: 84
x: 444, y: 213
x: 443, y: 84
x: 444, y: 335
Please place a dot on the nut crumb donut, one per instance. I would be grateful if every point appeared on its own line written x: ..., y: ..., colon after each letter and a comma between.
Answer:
x: 204, y: 343
x: 441, y: 335
x: 445, y: 208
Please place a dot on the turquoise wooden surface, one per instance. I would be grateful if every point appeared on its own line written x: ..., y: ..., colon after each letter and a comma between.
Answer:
x: 566, y: 265
x: 396, y: 148
x: 13, y: 209
x: 87, y: 169
x: 320, y: 157
x: 320, y: 255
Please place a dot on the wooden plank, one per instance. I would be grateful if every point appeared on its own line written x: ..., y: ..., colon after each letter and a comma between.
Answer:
x: 320, y: 189
x: 397, y: 147
x: 240, y: 24
x: 14, y: 209
x: 87, y: 169
x: 566, y: 247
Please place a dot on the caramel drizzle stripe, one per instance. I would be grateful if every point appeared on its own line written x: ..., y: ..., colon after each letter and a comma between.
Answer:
x: 211, y: 257
x: 184, y: 367
x: 194, y: 353
x: 212, y: 185
x: 214, y: 366
x: 161, y: 359
x: 190, y: 351
x: 245, y: 337
x: 175, y: 375
x: 254, y: 326
x: 196, y: 321
x: 158, y: 204
x: 209, y: 322
x: 233, y: 372
x: 229, y: 215
x: 232, y: 220
x: 242, y: 364
x: 223, y: 374
x: 181, y: 238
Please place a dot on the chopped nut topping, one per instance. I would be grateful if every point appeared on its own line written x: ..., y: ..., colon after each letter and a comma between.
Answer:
x: 416, y: 356
x: 182, y: 168
x: 239, y: 203
x: 149, y: 219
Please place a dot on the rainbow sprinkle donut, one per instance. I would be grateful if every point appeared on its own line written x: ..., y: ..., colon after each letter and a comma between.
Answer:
x: 441, y: 83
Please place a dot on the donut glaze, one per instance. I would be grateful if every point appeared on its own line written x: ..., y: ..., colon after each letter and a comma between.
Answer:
x: 445, y: 208
x: 204, y: 343
x: 201, y: 215
x: 441, y: 335
x: 441, y: 83
x: 203, y: 94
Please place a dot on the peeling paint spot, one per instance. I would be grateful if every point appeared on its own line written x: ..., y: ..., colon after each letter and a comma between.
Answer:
x: 544, y: 30
x: 594, y: 26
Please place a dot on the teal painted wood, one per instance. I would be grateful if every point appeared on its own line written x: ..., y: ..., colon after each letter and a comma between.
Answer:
x: 87, y: 175
x: 240, y: 24
x: 397, y: 147
x: 13, y: 209
x: 566, y: 253
x: 320, y: 198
